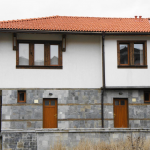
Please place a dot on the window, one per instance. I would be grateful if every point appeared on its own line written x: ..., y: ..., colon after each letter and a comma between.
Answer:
x: 132, y: 54
x: 23, y: 54
x: 21, y: 96
x: 147, y: 96
x: 39, y: 54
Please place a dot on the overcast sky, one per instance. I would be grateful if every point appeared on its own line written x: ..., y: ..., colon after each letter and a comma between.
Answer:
x: 21, y: 9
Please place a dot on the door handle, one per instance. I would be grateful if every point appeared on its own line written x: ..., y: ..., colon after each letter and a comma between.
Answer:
x: 55, y: 115
x: 114, y: 115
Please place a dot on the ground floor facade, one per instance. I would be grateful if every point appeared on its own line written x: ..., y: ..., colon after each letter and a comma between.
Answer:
x: 79, y: 108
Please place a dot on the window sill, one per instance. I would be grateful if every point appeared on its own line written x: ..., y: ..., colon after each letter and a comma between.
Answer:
x: 132, y: 66
x: 38, y: 67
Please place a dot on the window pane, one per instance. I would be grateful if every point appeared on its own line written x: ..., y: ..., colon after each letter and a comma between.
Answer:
x: 52, y: 103
x: 122, y: 102
x: 46, y: 103
x: 21, y: 96
x: 146, y: 96
x: 123, y: 53
x: 138, y: 54
x: 39, y: 54
x: 54, y: 54
x: 116, y: 102
x: 23, y: 54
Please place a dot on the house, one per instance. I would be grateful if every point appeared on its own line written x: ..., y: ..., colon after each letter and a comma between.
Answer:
x: 72, y: 72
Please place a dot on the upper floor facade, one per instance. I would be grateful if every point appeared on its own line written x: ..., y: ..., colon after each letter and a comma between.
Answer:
x: 39, y: 58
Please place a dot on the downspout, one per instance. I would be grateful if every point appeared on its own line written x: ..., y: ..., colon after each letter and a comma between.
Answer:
x: 0, y: 118
x: 103, y: 73
x: 0, y: 108
x: 0, y: 112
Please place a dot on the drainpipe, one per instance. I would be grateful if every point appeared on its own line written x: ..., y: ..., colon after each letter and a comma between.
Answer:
x: 103, y: 72
x: 0, y: 118
x: 0, y: 108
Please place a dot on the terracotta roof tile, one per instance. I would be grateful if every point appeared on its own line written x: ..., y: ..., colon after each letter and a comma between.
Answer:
x: 83, y: 24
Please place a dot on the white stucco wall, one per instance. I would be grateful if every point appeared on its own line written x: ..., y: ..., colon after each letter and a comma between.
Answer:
x: 81, y: 64
x: 123, y: 76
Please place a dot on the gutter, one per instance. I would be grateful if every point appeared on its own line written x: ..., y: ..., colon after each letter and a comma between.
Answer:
x: 73, y: 32
x: 49, y: 32
x: 103, y: 72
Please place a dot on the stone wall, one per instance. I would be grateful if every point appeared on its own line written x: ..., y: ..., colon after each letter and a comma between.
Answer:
x: 76, y: 108
x: 19, y: 141
x: 138, y: 111
x: 44, y: 139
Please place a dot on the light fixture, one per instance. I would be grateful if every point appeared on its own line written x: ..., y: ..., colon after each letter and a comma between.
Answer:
x: 14, y: 41
x: 64, y: 43
x: 120, y: 93
x: 50, y: 94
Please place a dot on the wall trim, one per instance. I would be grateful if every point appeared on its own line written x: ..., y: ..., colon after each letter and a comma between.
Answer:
x: 126, y: 88
x: 78, y: 130
x: 50, y: 89
x: 71, y: 119
x: 73, y: 104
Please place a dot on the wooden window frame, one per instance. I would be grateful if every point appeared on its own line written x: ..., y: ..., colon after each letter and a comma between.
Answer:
x: 18, y: 100
x: 131, y: 54
x: 46, y: 55
x: 144, y: 96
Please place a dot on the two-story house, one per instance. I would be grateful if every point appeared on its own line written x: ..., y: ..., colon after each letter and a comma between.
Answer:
x: 74, y: 72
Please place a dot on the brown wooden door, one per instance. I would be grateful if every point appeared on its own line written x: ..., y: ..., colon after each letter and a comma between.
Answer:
x: 50, y: 113
x: 120, y: 113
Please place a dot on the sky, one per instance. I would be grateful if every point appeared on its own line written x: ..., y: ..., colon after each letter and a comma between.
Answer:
x: 22, y: 9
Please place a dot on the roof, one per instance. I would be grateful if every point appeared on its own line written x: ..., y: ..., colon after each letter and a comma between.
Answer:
x: 80, y: 24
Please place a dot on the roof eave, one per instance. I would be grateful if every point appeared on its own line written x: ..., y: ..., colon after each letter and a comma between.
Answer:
x: 72, y: 32
x: 47, y: 31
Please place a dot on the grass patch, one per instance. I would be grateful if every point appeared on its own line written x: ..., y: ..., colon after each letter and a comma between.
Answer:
x: 130, y: 143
